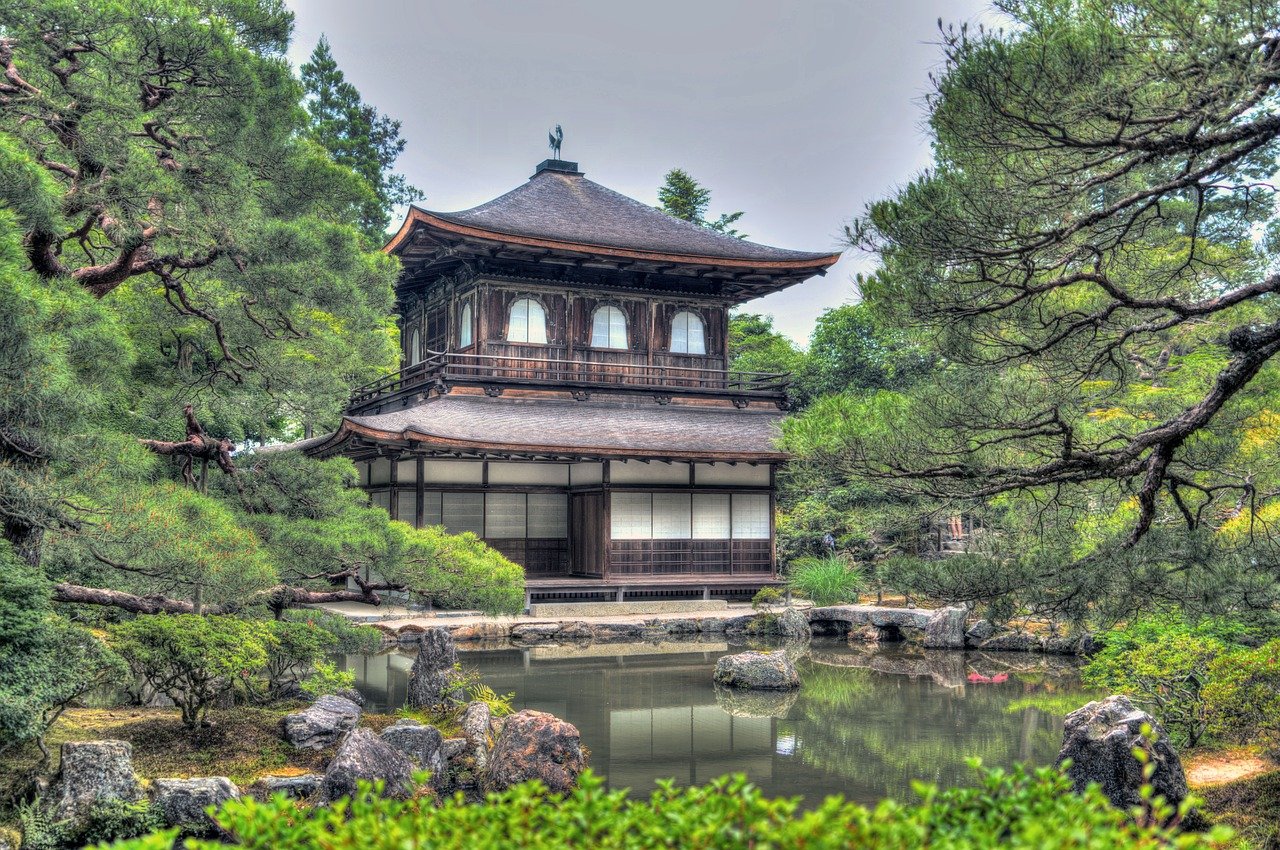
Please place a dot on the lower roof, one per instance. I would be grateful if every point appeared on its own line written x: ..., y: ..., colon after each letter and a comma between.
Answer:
x: 471, y: 424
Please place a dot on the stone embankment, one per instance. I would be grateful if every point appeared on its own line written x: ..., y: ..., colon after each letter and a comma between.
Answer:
x: 943, y: 628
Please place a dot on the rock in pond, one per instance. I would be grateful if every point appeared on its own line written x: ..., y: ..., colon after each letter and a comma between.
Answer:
x: 753, y: 702
x: 434, y: 670
x: 92, y: 772
x: 536, y: 745
x: 1099, y: 740
x: 423, y: 744
x: 363, y: 755
x: 945, y: 628
x: 322, y: 723
x: 793, y: 625
x: 764, y: 670
x: 182, y: 802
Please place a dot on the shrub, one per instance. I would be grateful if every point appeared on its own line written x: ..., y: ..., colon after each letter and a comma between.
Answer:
x: 1242, y: 696
x: 1016, y: 809
x: 190, y: 658
x: 1162, y: 663
x: 297, y: 657
x: 829, y: 580
x: 109, y: 820
x: 349, y: 637
x: 458, y: 571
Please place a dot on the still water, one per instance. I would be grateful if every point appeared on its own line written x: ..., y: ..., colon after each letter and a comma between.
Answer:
x: 865, y: 723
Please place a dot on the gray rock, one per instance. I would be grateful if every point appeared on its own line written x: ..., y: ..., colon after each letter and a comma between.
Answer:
x: 536, y: 745
x: 766, y: 670
x: 712, y: 625
x: 453, y: 748
x: 619, y: 631
x: 365, y: 756
x: 1099, y: 739
x: 320, y: 724
x: 182, y: 802
x: 945, y: 628
x: 351, y: 694
x: 793, y: 625
x: 434, y: 670
x: 738, y: 624
x: 92, y: 772
x: 981, y: 630
x: 680, y: 626
x: 535, y: 632
x: 420, y: 742
x: 1014, y: 642
x: 575, y: 631
x: 293, y: 787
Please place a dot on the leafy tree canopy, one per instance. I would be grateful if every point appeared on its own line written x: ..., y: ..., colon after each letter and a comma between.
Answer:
x: 685, y: 198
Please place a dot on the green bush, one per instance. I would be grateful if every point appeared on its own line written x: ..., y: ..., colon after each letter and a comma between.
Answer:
x: 1242, y: 696
x: 297, y: 656
x: 829, y: 580
x: 458, y: 571
x: 110, y: 820
x: 190, y: 658
x: 1163, y: 663
x: 1016, y: 809
x: 349, y: 637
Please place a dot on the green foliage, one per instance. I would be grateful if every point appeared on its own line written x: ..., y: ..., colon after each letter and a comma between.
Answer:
x: 109, y: 820
x: 325, y: 678
x: 192, y: 659
x: 1242, y: 696
x: 297, y: 656
x: 765, y: 599
x: 828, y: 580
x: 46, y: 662
x: 1164, y: 663
x: 683, y: 197
x: 356, y: 135
x: 456, y: 570
x: 755, y: 346
x: 349, y: 637
x: 854, y: 348
x: 1018, y: 809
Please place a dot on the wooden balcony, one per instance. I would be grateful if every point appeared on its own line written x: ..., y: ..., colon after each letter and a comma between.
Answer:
x: 611, y: 372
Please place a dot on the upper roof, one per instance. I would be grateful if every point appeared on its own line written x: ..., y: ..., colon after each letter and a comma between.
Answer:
x: 559, y: 208
x: 538, y: 426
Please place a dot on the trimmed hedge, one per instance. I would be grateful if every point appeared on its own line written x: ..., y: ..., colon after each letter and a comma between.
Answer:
x: 1008, y: 810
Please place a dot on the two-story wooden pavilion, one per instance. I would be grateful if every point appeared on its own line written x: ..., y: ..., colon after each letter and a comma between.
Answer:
x: 565, y: 393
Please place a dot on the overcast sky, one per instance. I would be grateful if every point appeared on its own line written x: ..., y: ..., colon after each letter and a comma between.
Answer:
x: 798, y: 113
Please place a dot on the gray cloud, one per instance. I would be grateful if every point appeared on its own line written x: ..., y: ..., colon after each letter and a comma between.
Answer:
x: 798, y: 113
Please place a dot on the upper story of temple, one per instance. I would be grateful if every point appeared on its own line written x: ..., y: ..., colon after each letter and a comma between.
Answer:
x: 565, y: 287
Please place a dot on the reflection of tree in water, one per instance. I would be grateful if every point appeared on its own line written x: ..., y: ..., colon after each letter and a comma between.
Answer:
x: 881, y: 732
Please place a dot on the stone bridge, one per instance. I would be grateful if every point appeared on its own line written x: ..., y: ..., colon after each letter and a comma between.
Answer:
x: 941, y: 628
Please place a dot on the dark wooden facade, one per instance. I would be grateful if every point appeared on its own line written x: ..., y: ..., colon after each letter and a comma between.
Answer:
x: 637, y: 461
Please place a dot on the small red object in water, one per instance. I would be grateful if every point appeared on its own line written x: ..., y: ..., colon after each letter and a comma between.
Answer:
x: 979, y: 679
x: 1000, y: 677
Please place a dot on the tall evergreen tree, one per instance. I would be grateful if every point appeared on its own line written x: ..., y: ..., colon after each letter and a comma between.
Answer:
x: 358, y: 136
x: 683, y: 197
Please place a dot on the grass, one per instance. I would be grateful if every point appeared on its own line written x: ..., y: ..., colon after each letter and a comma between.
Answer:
x: 1250, y: 806
x: 243, y: 743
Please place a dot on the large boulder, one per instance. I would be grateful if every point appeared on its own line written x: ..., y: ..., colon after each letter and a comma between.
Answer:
x: 765, y: 670
x: 1099, y: 739
x: 182, y: 802
x: 945, y: 628
x: 363, y: 755
x: 793, y: 625
x: 434, y: 670
x: 322, y: 723
x: 298, y: 787
x: 92, y: 772
x: 422, y: 743
x: 536, y: 745
x: 476, y: 724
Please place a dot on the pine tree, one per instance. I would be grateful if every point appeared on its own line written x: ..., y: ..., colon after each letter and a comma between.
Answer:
x: 358, y: 136
x: 683, y: 197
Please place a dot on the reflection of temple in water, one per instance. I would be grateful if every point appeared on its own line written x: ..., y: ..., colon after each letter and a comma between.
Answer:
x: 863, y: 724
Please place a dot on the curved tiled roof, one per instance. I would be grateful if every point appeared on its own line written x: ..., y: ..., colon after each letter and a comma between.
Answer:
x: 479, y: 423
x: 564, y: 208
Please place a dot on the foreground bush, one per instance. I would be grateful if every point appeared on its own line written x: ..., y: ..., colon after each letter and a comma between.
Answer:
x: 1006, y: 810
x: 825, y: 581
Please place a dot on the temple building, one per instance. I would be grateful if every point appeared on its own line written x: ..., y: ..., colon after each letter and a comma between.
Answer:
x: 565, y: 393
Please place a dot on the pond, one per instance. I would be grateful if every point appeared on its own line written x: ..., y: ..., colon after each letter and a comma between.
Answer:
x: 865, y: 723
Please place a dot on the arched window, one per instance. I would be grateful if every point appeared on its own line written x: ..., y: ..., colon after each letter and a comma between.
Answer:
x: 464, y: 326
x: 415, y: 348
x: 608, y: 328
x: 527, y: 322
x: 688, y: 335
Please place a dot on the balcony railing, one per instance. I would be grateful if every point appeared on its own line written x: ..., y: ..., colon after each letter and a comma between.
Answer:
x: 443, y: 369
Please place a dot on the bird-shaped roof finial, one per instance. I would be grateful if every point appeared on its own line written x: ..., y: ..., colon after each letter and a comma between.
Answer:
x: 554, y: 140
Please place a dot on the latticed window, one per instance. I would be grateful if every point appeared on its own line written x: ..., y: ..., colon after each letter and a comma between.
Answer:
x: 527, y: 322
x: 608, y: 328
x: 464, y: 326
x: 688, y: 334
